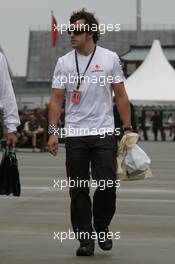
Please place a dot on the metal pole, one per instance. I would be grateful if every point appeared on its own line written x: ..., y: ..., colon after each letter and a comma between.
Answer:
x: 138, y: 17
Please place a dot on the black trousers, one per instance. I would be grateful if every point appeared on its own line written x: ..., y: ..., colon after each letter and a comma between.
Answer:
x: 100, y: 153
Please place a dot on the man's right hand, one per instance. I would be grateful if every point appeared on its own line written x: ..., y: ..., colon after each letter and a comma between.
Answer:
x: 53, y: 145
x: 11, y: 139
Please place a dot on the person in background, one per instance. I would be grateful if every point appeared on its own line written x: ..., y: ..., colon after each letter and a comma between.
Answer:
x: 22, y: 138
x: 143, y: 125
x: 8, y: 104
x: 118, y: 122
x: 43, y: 123
x: 157, y: 125
x: 170, y: 123
x: 46, y: 111
x: 33, y: 130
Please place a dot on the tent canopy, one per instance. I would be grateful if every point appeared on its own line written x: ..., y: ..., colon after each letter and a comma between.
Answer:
x: 154, y: 81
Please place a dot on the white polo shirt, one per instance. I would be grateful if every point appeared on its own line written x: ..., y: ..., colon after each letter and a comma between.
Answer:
x: 94, y: 114
x: 7, y: 98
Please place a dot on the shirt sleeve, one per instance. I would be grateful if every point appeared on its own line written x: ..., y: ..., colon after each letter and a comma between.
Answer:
x: 59, y: 79
x: 117, y: 71
x: 7, y: 98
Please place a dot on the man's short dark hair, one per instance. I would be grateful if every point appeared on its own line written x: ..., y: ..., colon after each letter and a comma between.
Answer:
x: 90, y: 20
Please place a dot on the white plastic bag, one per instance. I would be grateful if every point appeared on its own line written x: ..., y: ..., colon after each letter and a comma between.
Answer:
x: 127, y: 141
x: 136, y: 160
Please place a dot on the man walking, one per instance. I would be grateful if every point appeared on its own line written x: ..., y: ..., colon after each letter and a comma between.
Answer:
x: 89, y: 122
x: 8, y: 103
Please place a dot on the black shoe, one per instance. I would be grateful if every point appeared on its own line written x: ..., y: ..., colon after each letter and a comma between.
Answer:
x: 103, y: 241
x: 86, y: 248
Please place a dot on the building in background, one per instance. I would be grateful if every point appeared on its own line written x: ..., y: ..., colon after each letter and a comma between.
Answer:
x: 34, y: 89
x: 42, y: 56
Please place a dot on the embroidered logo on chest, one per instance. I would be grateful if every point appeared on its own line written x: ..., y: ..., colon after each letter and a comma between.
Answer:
x: 97, y: 68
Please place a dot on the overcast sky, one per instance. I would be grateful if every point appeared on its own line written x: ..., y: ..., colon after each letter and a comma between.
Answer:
x: 16, y: 17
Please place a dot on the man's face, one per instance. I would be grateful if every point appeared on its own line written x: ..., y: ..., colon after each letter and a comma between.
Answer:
x: 80, y: 39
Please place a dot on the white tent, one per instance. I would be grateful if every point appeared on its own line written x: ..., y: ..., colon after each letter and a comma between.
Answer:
x: 154, y: 81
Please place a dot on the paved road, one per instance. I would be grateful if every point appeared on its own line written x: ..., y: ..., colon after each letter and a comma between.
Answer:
x: 145, y: 215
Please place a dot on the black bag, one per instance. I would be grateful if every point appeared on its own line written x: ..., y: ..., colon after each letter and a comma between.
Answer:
x: 9, y: 174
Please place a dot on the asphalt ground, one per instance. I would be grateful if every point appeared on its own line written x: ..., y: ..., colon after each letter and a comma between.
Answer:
x: 145, y: 215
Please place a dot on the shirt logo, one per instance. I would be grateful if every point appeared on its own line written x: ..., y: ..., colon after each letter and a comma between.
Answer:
x: 97, y: 68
